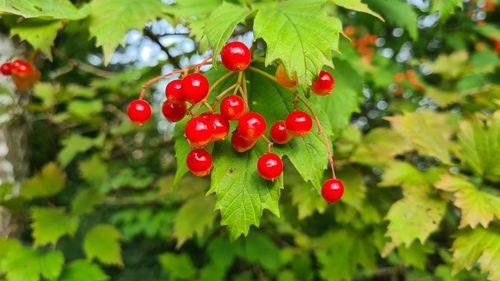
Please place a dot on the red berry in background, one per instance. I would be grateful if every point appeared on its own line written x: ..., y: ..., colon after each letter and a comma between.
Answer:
x: 270, y: 166
x: 332, y: 190
x: 21, y: 67
x: 195, y: 87
x: 298, y: 123
x: 220, y: 126
x: 139, y: 111
x: 235, y: 56
x: 283, y: 79
x: 199, y: 131
x: 199, y: 162
x: 6, y: 68
x: 232, y: 107
x: 252, y: 125
x: 241, y: 144
x: 324, y: 84
x: 279, y: 133
x: 173, y: 91
x: 172, y: 111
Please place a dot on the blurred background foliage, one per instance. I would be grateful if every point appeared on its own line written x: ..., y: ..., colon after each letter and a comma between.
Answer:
x: 418, y: 148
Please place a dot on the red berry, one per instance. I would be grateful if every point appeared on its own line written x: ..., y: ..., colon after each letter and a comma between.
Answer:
x: 299, y: 123
x: 173, y: 112
x: 173, y: 91
x: 252, y: 125
x: 6, y: 68
x: 235, y: 56
x: 139, y: 111
x: 220, y: 126
x: 195, y: 87
x: 232, y: 107
x: 21, y: 67
x: 199, y: 131
x: 241, y: 144
x: 324, y: 84
x: 279, y: 133
x: 332, y: 190
x: 270, y: 166
x: 199, y: 162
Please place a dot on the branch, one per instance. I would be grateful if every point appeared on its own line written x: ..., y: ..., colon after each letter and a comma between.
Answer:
x: 156, y: 38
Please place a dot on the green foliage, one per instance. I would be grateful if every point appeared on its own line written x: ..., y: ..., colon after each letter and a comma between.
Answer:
x: 108, y: 200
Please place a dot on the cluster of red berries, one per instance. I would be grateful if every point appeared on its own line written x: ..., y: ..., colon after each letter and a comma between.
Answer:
x: 212, y: 126
x: 22, y: 72
x: 364, y: 44
x: 407, y: 79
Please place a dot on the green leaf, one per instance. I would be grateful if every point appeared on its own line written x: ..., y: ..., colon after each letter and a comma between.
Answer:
x: 103, y: 243
x: 196, y: 9
x: 415, y: 216
x: 261, y: 249
x: 399, y: 13
x: 450, y: 66
x: 40, y: 34
x: 479, y: 147
x: 177, y: 266
x: 84, y: 109
x: 477, y: 207
x: 221, y: 23
x: 85, y: 201
x: 446, y: 8
x: 354, y: 182
x: 478, y: 246
x: 110, y: 20
x: 427, y: 130
x: 74, y: 145
x: 51, y: 9
x: 46, y: 183
x: 356, y: 5
x: 50, y: 224
x: 194, y: 217
x: 299, y: 34
x: 222, y: 252
x: 93, y: 170
x: 340, y: 253
x: 306, y: 198
x: 81, y: 270
x: 182, y: 149
x: 26, y: 264
x: 241, y: 194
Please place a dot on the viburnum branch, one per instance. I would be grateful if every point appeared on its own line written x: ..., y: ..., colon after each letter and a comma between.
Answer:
x: 242, y: 89
x: 158, y: 78
x: 322, y: 133
x: 220, y: 80
x: 225, y: 92
x: 269, y: 143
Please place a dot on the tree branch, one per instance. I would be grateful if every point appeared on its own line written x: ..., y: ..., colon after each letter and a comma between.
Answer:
x: 156, y: 38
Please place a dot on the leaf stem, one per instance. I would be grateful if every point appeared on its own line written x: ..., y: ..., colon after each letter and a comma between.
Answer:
x: 263, y: 73
x: 322, y: 133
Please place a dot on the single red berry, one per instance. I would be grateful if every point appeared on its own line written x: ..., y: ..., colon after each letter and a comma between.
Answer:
x: 270, y: 166
x: 232, y: 107
x: 220, y: 126
x: 332, y: 190
x: 235, y: 56
x: 299, y: 123
x: 195, y: 87
x: 241, y: 144
x: 199, y: 162
x: 172, y: 111
x: 199, y: 131
x: 6, y: 68
x: 139, y: 111
x: 279, y: 133
x: 173, y: 91
x: 252, y: 125
x: 21, y: 67
x: 324, y: 84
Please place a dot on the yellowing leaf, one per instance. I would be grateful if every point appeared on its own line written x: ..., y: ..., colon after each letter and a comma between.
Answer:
x: 357, y: 5
x: 46, y: 183
x: 110, y: 20
x: 50, y: 224
x: 196, y: 215
x: 415, y: 216
x: 299, y: 34
x: 427, y: 130
x: 481, y: 246
x: 450, y: 65
x: 103, y: 243
x: 477, y: 207
x: 40, y: 34
x: 379, y: 147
